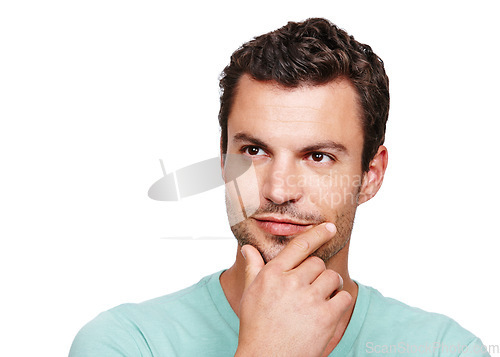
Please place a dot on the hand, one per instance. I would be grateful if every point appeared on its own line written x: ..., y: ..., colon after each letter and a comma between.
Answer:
x: 286, y: 308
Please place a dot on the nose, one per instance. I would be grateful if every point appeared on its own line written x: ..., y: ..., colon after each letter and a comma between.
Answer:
x: 281, y: 182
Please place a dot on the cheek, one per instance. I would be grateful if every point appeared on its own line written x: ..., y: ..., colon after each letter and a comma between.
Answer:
x: 332, y: 192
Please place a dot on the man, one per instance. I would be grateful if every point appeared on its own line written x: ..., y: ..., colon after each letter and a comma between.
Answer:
x: 307, y: 106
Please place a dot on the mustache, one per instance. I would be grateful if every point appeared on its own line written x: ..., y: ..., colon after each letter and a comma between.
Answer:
x: 291, y: 211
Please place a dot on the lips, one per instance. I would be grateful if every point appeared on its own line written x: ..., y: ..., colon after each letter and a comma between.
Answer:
x: 281, y: 227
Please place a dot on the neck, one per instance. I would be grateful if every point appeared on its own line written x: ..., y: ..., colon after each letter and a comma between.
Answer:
x: 233, y: 280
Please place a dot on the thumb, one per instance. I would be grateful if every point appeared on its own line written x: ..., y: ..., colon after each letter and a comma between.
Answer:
x: 253, y: 263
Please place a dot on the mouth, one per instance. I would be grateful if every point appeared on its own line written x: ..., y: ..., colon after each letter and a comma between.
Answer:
x: 282, y: 226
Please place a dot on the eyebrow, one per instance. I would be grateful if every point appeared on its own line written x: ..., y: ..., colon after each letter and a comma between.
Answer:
x: 326, y: 144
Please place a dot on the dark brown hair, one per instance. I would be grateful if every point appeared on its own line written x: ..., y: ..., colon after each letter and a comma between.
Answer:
x: 313, y: 52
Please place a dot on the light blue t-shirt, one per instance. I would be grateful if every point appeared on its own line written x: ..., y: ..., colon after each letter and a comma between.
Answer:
x: 198, y: 321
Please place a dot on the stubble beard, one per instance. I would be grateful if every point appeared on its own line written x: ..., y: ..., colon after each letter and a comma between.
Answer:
x: 270, y: 245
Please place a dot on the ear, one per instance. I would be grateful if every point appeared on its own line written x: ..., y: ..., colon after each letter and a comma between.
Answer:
x: 372, y: 180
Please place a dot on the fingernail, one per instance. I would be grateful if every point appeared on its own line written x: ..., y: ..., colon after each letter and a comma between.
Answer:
x: 243, y: 253
x: 341, y: 282
x: 331, y: 227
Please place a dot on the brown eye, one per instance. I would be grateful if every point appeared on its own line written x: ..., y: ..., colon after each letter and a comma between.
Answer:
x: 317, y: 156
x: 252, y: 150
x: 320, y: 157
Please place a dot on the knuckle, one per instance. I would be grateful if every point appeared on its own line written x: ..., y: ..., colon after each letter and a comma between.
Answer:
x: 272, y: 270
x: 273, y: 267
x: 293, y: 282
x: 311, y: 299
x: 343, y: 299
x: 300, y: 244
x: 318, y: 234
x: 332, y: 275
x: 317, y: 262
x: 347, y: 297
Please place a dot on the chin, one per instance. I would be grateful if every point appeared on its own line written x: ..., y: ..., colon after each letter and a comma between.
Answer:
x: 271, y: 247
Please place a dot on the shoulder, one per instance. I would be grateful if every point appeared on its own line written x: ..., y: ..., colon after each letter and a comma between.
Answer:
x: 134, y: 328
x: 409, y: 327
x: 105, y: 335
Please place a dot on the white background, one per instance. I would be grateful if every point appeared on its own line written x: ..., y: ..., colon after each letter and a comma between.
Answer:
x: 94, y: 93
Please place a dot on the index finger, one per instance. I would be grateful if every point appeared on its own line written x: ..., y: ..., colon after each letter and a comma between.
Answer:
x: 304, y: 245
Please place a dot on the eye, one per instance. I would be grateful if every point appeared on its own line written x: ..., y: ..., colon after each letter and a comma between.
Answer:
x: 252, y: 150
x: 321, y: 157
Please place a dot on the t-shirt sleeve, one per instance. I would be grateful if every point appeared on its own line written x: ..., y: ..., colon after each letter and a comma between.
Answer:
x: 104, y: 336
x: 476, y: 348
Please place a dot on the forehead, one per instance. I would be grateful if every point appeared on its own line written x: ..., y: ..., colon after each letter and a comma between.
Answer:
x: 297, y: 116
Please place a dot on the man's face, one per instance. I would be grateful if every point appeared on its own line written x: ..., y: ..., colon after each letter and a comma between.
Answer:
x: 306, y: 146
